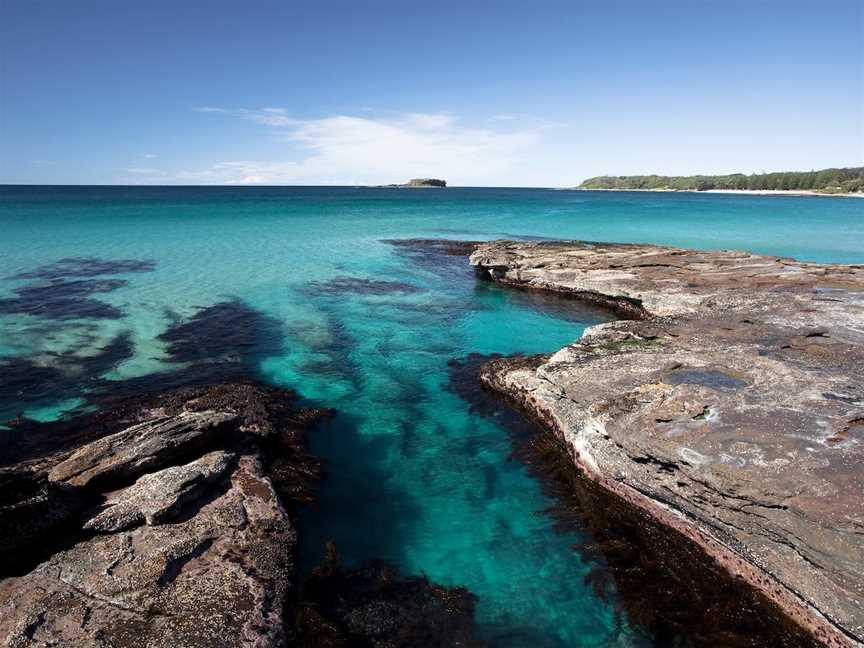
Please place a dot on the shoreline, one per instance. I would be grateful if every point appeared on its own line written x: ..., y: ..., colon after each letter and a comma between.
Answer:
x: 701, y: 434
x: 129, y: 524
x: 744, y: 192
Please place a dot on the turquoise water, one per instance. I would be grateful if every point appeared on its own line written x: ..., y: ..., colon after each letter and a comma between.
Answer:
x: 413, y: 475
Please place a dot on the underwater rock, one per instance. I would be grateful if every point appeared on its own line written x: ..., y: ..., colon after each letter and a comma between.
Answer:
x: 361, y: 286
x: 445, y: 247
x: 442, y: 257
x: 374, y: 606
x: 706, y: 412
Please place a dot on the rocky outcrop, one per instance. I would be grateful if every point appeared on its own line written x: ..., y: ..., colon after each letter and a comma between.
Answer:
x: 216, y: 578
x: 425, y: 182
x: 142, y: 448
x: 729, y: 408
x: 192, y: 544
x: 158, y: 497
x: 171, y: 524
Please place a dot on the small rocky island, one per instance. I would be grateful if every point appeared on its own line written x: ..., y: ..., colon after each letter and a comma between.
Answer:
x: 425, y: 183
x: 727, y: 407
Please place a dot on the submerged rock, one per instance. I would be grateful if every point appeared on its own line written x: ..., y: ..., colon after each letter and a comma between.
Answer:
x: 726, y: 410
x: 374, y: 606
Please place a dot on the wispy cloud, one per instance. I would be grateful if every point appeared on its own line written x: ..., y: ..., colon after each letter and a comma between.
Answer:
x: 150, y: 156
x: 347, y: 149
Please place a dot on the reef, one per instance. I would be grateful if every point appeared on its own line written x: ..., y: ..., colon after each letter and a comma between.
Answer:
x: 168, y: 519
x: 723, y: 417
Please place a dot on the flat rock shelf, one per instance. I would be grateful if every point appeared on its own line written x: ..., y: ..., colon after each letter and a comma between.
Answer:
x: 727, y: 406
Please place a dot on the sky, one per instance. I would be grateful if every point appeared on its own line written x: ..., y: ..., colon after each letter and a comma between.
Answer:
x: 527, y: 93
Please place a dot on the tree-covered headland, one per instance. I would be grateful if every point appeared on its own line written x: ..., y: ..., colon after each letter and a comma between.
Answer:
x: 849, y: 180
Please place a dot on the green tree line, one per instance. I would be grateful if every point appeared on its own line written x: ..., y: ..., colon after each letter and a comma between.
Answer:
x: 827, y: 180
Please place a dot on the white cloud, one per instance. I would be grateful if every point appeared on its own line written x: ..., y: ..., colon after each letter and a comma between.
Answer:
x: 361, y: 150
x: 150, y: 156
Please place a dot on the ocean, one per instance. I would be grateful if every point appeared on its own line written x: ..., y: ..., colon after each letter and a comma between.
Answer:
x: 122, y: 288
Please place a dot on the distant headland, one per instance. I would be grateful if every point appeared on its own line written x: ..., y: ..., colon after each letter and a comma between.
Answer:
x: 847, y: 181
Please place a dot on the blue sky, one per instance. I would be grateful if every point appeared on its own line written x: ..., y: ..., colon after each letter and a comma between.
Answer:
x: 481, y: 93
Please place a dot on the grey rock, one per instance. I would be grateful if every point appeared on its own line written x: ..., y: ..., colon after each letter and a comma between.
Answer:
x: 141, y: 448
x: 729, y: 407
x: 158, y: 497
x: 216, y: 579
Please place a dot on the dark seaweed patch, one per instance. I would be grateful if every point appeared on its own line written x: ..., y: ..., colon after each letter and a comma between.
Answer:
x: 229, y: 331
x: 26, y: 383
x: 87, y: 267
x: 62, y: 300
x: 221, y: 343
x: 374, y: 606
x: 441, y: 256
x: 361, y: 286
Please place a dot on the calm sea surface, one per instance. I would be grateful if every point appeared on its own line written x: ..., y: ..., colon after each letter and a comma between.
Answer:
x: 296, y: 286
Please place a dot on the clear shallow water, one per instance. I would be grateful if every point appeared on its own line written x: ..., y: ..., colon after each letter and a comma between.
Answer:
x: 414, y: 476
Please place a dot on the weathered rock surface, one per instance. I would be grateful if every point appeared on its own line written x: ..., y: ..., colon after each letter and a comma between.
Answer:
x: 157, y: 497
x: 196, y: 554
x: 215, y: 579
x: 730, y: 408
x: 140, y: 448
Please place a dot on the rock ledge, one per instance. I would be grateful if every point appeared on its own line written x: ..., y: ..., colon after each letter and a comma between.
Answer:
x: 729, y: 406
